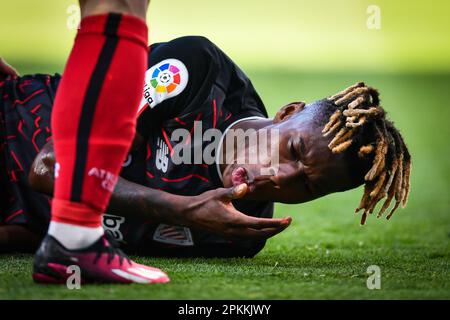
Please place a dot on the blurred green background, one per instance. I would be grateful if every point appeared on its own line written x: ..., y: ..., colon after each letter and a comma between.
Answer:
x: 296, y: 35
x: 299, y: 50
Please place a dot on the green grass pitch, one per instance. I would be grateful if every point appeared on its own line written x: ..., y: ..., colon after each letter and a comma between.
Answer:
x: 325, y: 253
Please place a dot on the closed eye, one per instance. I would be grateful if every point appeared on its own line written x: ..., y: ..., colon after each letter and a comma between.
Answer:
x: 302, y: 146
x: 297, y: 148
x: 293, y: 150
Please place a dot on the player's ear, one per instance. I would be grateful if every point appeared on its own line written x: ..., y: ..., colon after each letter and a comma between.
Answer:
x: 288, y: 111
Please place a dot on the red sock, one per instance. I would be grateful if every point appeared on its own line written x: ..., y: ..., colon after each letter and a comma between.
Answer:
x: 94, y: 114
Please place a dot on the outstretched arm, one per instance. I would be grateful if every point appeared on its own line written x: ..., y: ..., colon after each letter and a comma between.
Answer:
x: 211, y: 211
x: 128, y: 198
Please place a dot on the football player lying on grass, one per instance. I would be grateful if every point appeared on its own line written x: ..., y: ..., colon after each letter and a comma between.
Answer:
x: 223, y: 208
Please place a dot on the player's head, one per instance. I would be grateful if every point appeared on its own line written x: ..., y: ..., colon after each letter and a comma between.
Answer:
x: 332, y: 145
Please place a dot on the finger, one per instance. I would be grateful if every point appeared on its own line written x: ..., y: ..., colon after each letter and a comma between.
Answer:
x: 261, y: 223
x: 234, y: 192
x: 250, y: 233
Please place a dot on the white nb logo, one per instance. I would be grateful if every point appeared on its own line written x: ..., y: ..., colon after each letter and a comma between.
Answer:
x: 162, y: 159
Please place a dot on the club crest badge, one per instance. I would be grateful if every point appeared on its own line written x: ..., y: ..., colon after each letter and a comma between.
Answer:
x: 174, y: 235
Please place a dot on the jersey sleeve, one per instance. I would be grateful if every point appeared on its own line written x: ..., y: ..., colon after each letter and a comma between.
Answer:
x: 180, y: 75
x: 184, y: 73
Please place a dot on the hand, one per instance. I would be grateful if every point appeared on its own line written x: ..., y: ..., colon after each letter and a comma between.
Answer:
x: 6, y: 69
x: 214, y: 212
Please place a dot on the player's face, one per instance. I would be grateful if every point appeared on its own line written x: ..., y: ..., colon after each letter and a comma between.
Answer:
x: 306, y: 169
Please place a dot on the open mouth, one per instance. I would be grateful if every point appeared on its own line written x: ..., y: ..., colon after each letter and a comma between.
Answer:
x: 238, y: 176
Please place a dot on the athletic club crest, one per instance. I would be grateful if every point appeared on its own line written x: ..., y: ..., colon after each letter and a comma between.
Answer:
x: 164, y: 80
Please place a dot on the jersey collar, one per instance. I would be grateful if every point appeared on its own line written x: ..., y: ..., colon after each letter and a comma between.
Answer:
x: 219, y: 148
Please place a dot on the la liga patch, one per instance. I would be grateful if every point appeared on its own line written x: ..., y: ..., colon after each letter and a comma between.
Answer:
x: 163, y: 81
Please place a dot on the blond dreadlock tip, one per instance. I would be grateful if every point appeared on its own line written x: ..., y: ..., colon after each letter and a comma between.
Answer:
x: 386, y: 178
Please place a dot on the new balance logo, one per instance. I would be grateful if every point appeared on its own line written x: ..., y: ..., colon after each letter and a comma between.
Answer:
x: 162, y: 156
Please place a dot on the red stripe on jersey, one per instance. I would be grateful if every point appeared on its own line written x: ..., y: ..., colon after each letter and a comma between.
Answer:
x: 142, y: 109
x: 180, y: 121
x: 36, y: 108
x: 16, y: 160
x: 228, y: 117
x: 24, y: 84
x: 20, y: 128
x: 13, y: 176
x: 149, y: 175
x: 214, y: 113
x: 17, y: 101
x: 166, y: 138
x: 193, y: 175
x: 36, y: 122
x: 149, y: 152
x: 13, y: 215
x: 33, y: 139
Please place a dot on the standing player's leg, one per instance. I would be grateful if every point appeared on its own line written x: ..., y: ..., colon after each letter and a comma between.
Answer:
x: 93, y: 124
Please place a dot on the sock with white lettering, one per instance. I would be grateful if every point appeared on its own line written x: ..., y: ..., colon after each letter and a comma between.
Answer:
x: 93, y: 119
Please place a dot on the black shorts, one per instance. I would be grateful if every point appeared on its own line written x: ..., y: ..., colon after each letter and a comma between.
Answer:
x: 25, y: 108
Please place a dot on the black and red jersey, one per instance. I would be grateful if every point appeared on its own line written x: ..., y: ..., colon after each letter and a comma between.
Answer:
x: 190, y: 82
x: 25, y: 109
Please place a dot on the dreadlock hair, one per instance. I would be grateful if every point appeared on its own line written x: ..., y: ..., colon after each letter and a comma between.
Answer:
x: 359, y: 124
